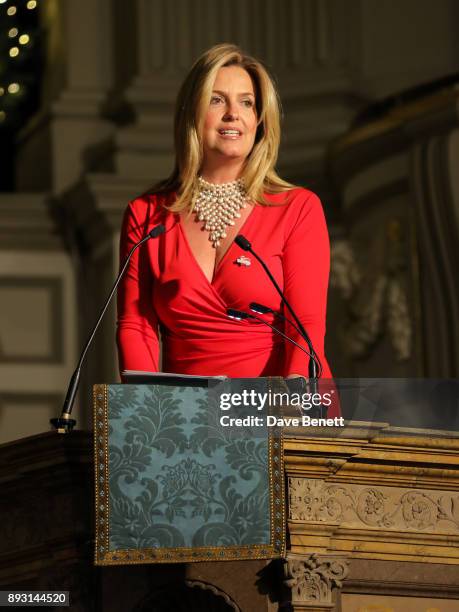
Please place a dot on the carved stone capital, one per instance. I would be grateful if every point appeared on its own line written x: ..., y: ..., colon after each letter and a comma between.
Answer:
x: 312, y: 579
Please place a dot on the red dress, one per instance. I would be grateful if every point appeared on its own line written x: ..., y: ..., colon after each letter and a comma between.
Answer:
x: 165, y: 288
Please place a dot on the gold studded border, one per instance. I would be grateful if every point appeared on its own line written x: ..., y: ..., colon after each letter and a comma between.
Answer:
x: 105, y: 556
x: 100, y: 400
x: 187, y: 555
x: 277, y: 479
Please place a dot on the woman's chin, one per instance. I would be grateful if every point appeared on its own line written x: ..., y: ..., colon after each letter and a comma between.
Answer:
x: 233, y: 153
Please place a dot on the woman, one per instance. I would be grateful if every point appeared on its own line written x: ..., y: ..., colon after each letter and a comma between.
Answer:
x: 227, y: 135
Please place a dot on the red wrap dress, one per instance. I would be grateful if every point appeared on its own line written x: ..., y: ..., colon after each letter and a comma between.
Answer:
x: 165, y: 289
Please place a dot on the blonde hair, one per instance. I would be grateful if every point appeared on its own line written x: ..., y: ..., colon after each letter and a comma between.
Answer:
x: 192, y: 103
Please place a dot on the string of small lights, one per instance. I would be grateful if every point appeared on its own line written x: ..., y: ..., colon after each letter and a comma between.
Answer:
x: 20, y: 67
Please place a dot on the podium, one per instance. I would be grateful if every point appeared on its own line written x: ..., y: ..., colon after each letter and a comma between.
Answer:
x: 47, y: 541
x: 175, y: 483
x: 371, y: 503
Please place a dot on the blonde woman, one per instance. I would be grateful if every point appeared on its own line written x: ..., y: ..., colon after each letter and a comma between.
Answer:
x: 227, y: 133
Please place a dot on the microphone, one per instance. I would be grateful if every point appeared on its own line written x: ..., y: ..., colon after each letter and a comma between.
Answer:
x: 240, y: 315
x: 64, y: 423
x: 314, y: 361
x: 242, y: 242
x: 260, y: 309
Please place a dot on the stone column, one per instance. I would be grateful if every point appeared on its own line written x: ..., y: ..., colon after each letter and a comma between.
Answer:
x: 78, y: 122
x: 313, y: 579
x: 78, y: 80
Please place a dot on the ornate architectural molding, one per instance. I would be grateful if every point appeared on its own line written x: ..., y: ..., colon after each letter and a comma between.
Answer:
x: 394, y: 498
x: 313, y: 578
x: 359, y: 506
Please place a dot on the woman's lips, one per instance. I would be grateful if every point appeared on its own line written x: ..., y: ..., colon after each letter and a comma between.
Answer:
x: 230, y: 134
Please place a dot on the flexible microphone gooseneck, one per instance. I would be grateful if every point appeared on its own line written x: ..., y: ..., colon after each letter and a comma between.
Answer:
x: 261, y: 309
x: 64, y: 423
x: 311, y: 385
x: 245, y: 245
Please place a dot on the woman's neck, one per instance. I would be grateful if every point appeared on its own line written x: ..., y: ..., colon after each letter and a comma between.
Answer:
x: 221, y: 174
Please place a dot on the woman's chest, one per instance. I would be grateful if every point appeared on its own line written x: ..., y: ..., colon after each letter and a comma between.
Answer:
x: 207, y: 256
x: 188, y: 270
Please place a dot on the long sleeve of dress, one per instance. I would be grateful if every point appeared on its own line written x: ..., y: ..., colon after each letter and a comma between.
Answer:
x: 137, y: 330
x: 306, y: 263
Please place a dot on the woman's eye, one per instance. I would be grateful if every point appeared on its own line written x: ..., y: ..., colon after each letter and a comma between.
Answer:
x: 215, y: 100
x: 248, y: 103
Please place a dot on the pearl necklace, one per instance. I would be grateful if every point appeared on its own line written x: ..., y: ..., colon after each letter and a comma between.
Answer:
x: 218, y: 205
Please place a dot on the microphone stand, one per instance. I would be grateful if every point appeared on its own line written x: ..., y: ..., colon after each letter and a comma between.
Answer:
x: 311, y: 385
x: 245, y: 245
x: 65, y: 423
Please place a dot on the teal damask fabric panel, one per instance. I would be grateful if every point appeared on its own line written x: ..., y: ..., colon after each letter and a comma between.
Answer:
x: 173, y: 485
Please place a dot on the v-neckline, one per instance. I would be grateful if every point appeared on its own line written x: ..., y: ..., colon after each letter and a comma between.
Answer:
x: 218, y: 266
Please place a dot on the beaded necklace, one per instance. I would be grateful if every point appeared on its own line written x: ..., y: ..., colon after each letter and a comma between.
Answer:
x: 218, y: 205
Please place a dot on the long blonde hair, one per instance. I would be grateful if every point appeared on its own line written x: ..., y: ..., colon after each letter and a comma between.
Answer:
x: 192, y: 103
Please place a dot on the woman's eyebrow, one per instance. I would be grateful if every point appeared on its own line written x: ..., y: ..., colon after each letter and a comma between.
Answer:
x: 223, y: 93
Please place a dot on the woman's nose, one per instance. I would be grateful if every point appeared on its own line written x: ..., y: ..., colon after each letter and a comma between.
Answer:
x: 231, y: 112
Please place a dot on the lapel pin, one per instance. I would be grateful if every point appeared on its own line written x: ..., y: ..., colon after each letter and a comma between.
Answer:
x: 243, y: 261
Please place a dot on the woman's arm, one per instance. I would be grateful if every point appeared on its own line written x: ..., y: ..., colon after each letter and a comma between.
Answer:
x: 306, y: 265
x: 137, y: 327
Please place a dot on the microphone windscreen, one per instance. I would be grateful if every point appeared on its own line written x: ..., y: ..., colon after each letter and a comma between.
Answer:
x: 157, y: 231
x: 242, y: 242
x: 237, y: 314
x: 260, y: 308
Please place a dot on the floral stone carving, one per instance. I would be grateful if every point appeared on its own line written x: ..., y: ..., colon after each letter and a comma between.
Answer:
x: 384, y: 507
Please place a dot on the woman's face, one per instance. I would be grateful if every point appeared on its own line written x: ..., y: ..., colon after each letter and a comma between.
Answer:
x: 230, y: 124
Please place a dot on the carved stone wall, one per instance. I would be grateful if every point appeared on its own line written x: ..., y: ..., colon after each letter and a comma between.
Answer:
x: 395, y: 269
x: 37, y: 316
x: 378, y: 510
x: 379, y: 297
x: 375, y: 495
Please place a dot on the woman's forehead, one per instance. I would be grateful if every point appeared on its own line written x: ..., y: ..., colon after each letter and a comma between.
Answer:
x: 234, y: 77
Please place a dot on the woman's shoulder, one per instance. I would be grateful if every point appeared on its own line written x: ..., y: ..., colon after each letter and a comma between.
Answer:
x: 150, y: 201
x: 150, y: 206
x: 294, y: 202
x: 146, y: 211
x: 296, y: 212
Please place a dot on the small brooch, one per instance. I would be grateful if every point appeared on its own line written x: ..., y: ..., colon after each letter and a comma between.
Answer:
x: 243, y: 261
